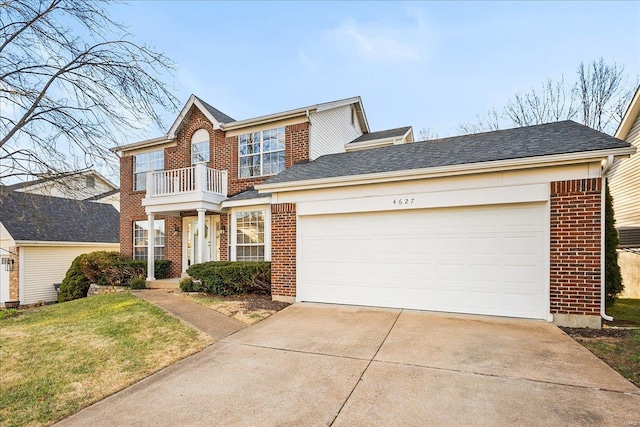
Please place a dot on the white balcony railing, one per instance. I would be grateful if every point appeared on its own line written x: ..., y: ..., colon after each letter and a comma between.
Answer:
x: 197, y: 178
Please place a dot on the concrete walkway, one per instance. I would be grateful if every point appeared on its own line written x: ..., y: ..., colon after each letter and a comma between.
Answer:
x: 209, y: 321
x: 313, y: 364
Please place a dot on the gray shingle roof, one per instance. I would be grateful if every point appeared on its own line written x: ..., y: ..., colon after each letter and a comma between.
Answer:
x: 248, y: 194
x: 531, y: 141
x: 103, y: 195
x: 54, y: 219
x: 382, y: 134
x: 217, y: 114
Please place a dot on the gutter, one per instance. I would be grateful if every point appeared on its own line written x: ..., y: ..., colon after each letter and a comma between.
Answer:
x: 434, y: 172
x: 60, y: 243
x: 605, y: 170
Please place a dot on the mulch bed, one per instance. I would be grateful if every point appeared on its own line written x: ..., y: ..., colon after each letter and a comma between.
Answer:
x: 598, y: 333
x: 257, y: 302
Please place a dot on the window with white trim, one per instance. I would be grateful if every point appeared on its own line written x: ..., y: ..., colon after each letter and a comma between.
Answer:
x: 142, y: 163
x: 261, y: 153
x: 250, y: 235
x: 200, y: 147
x: 141, y: 238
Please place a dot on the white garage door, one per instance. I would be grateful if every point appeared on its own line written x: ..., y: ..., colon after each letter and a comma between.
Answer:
x: 481, y: 260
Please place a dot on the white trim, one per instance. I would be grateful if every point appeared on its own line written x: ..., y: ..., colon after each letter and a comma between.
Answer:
x: 227, y: 204
x: 463, y: 169
x: 21, y: 275
x: 267, y: 230
x: 443, y: 199
x: 58, y: 243
x: 142, y: 144
x: 630, y: 117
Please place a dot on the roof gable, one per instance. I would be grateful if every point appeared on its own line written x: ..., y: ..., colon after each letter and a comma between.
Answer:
x: 215, y: 116
x: 33, y: 217
x: 630, y: 116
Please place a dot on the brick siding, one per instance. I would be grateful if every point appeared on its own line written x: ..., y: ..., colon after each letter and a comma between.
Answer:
x: 575, y: 246
x: 283, y: 249
x: 223, y: 156
x: 14, y: 274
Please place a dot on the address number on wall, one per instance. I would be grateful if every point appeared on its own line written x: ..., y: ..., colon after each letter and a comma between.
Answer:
x: 403, y: 201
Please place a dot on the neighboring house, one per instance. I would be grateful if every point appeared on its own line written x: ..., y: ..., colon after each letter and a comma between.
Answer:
x: 87, y: 185
x: 41, y: 235
x: 624, y: 185
x: 504, y: 223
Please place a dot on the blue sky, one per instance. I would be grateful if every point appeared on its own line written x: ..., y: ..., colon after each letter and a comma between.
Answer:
x: 426, y: 64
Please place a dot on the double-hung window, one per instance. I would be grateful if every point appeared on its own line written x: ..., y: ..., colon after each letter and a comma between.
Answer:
x: 250, y: 235
x: 141, y: 239
x: 261, y: 153
x: 142, y: 163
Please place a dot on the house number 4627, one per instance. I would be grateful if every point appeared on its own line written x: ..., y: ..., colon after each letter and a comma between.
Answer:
x: 403, y: 201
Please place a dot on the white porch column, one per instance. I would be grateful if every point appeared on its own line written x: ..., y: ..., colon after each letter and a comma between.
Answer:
x: 201, y: 177
x: 151, y: 235
x: 201, y: 239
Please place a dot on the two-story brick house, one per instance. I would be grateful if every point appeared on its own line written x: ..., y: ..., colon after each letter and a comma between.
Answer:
x: 506, y: 223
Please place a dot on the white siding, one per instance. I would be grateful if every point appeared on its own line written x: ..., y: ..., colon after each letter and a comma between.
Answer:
x: 46, y: 265
x: 330, y: 130
x: 625, y: 184
x: 71, y: 188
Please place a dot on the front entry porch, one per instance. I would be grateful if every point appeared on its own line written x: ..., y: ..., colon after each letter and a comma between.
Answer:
x: 195, y: 249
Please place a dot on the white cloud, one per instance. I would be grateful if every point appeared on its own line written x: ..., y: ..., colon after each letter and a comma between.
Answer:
x: 381, y: 41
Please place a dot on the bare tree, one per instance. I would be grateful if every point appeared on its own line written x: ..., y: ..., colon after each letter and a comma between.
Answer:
x: 425, y: 134
x: 71, y: 84
x: 597, y: 98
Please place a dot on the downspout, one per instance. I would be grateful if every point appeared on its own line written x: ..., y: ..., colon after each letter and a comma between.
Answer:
x: 605, y: 170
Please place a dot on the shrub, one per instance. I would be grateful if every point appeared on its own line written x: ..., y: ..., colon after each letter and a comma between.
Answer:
x: 233, y: 278
x: 75, y: 284
x: 106, y: 268
x: 613, y: 277
x: 138, y: 283
x: 162, y: 269
x: 189, y: 285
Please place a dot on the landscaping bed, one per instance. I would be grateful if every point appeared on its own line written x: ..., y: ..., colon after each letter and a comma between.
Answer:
x: 618, y: 342
x: 247, y: 308
x: 61, y: 358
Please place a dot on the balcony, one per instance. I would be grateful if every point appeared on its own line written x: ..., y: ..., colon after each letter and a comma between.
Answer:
x: 196, y: 187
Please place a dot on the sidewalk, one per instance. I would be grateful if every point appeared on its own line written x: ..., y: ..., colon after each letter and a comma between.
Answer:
x: 209, y: 321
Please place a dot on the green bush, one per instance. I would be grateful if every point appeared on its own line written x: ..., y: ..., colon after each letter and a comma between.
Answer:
x: 189, y: 285
x: 106, y: 268
x: 75, y: 284
x: 138, y: 283
x: 613, y: 276
x: 232, y: 278
x: 162, y: 268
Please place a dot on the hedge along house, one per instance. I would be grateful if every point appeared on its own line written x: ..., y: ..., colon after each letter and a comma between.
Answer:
x: 504, y: 223
x: 41, y: 235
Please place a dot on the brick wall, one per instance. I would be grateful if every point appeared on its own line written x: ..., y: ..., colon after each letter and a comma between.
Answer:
x: 14, y: 274
x: 283, y: 250
x: 575, y: 246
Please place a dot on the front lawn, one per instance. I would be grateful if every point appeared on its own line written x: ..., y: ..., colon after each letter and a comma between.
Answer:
x: 58, y: 359
x: 618, y: 346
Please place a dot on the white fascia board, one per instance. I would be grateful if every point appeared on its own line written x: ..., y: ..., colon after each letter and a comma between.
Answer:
x: 193, y: 100
x: 246, y: 202
x: 57, y: 243
x: 266, y: 119
x: 630, y: 117
x: 464, y: 169
x: 142, y: 144
x: 339, y: 103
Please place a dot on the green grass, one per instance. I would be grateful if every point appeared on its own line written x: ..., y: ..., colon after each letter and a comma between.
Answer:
x: 626, y: 309
x: 60, y: 358
x: 8, y: 312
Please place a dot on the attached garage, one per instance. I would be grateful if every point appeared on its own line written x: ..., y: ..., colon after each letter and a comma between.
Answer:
x: 505, y: 223
x: 482, y: 260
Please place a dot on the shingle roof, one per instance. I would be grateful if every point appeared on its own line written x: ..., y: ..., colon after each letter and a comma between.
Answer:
x: 103, y: 195
x: 34, y: 217
x: 248, y: 194
x: 531, y: 141
x: 382, y: 134
x: 217, y: 114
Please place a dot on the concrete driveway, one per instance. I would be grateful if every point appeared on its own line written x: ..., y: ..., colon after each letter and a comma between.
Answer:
x: 315, y: 364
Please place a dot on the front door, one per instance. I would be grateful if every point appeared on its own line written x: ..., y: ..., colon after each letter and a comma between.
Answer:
x: 191, y: 238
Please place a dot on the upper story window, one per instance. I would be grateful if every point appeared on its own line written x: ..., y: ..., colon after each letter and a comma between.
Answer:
x: 146, y: 162
x: 91, y: 182
x: 261, y: 153
x: 200, y: 147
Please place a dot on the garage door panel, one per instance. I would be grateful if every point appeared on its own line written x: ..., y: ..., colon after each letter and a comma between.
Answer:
x: 484, y: 260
